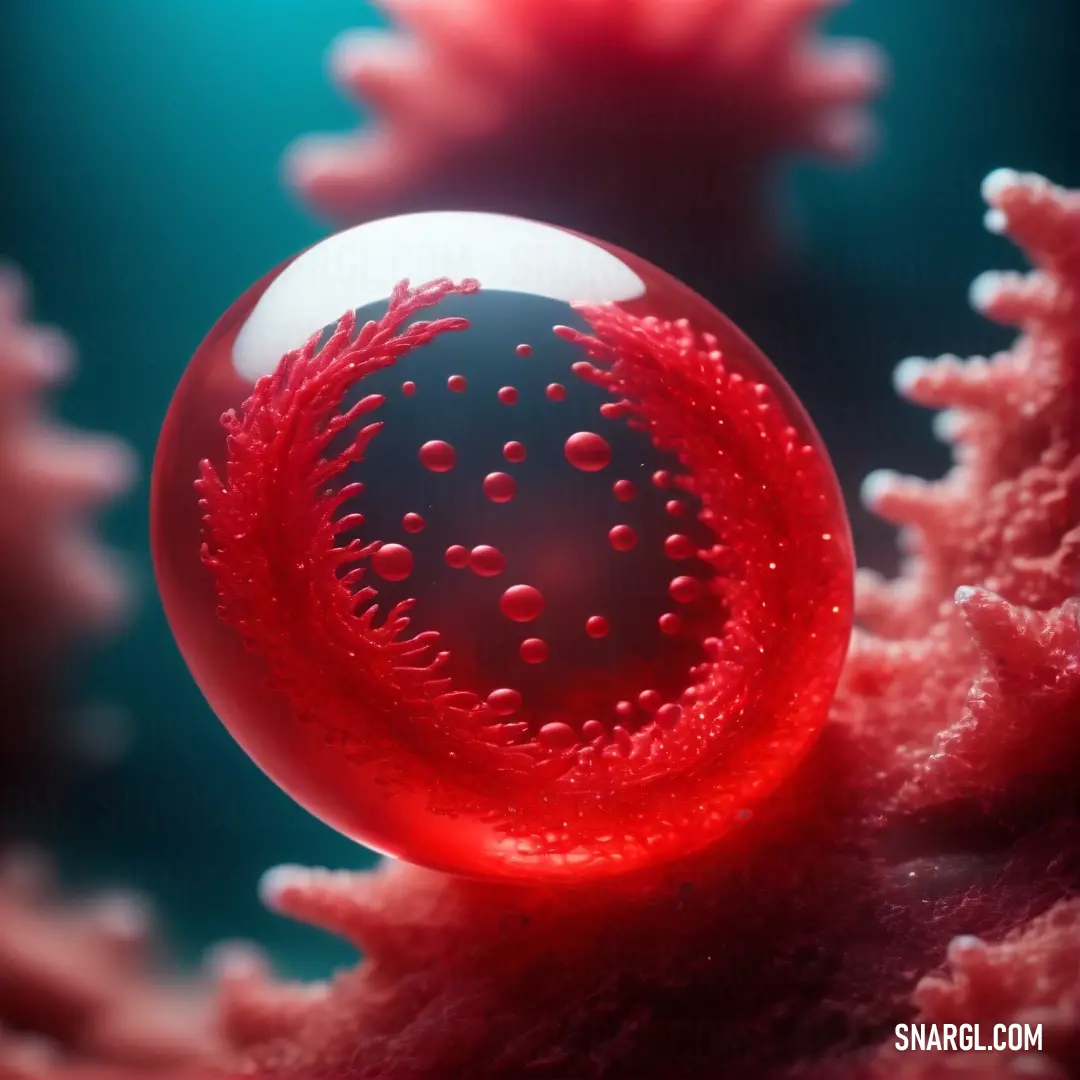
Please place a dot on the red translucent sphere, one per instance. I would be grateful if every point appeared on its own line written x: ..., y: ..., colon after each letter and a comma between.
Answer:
x: 396, y: 610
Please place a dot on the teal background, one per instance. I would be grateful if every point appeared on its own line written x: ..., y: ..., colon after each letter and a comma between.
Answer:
x: 139, y: 188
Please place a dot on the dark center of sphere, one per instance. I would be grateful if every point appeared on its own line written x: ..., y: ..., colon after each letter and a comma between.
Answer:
x: 604, y: 599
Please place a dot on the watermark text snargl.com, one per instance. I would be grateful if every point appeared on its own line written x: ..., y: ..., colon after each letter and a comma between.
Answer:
x: 1014, y: 1038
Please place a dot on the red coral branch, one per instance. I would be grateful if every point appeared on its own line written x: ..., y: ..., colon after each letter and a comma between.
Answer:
x: 272, y: 528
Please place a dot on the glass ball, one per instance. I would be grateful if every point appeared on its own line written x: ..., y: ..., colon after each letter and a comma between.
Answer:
x: 500, y: 549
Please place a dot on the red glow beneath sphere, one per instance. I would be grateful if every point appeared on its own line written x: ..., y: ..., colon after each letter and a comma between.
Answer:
x: 490, y: 722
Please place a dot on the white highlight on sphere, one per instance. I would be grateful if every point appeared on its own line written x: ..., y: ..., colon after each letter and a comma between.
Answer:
x: 359, y: 266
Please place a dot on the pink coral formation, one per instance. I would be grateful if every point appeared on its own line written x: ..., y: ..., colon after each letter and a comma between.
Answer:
x: 51, y: 478
x: 1031, y: 977
x: 933, y: 806
x: 981, y: 629
x: 55, y: 578
x: 70, y: 980
x: 81, y: 986
x: 650, y: 123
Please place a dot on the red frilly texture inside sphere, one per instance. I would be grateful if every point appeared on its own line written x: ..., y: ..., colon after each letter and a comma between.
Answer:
x: 594, y: 653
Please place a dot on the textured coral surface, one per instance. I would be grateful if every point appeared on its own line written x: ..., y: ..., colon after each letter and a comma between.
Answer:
x: 936, y: 804
x: 970, y: 674
x: 649, y: 123
x: 1030, y: 977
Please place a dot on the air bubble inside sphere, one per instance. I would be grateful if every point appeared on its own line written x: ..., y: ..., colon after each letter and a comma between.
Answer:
x: 505, y: 633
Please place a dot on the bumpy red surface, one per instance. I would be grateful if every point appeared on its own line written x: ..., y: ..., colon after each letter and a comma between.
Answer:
x: 931, y: 807
x: 592, y: 113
